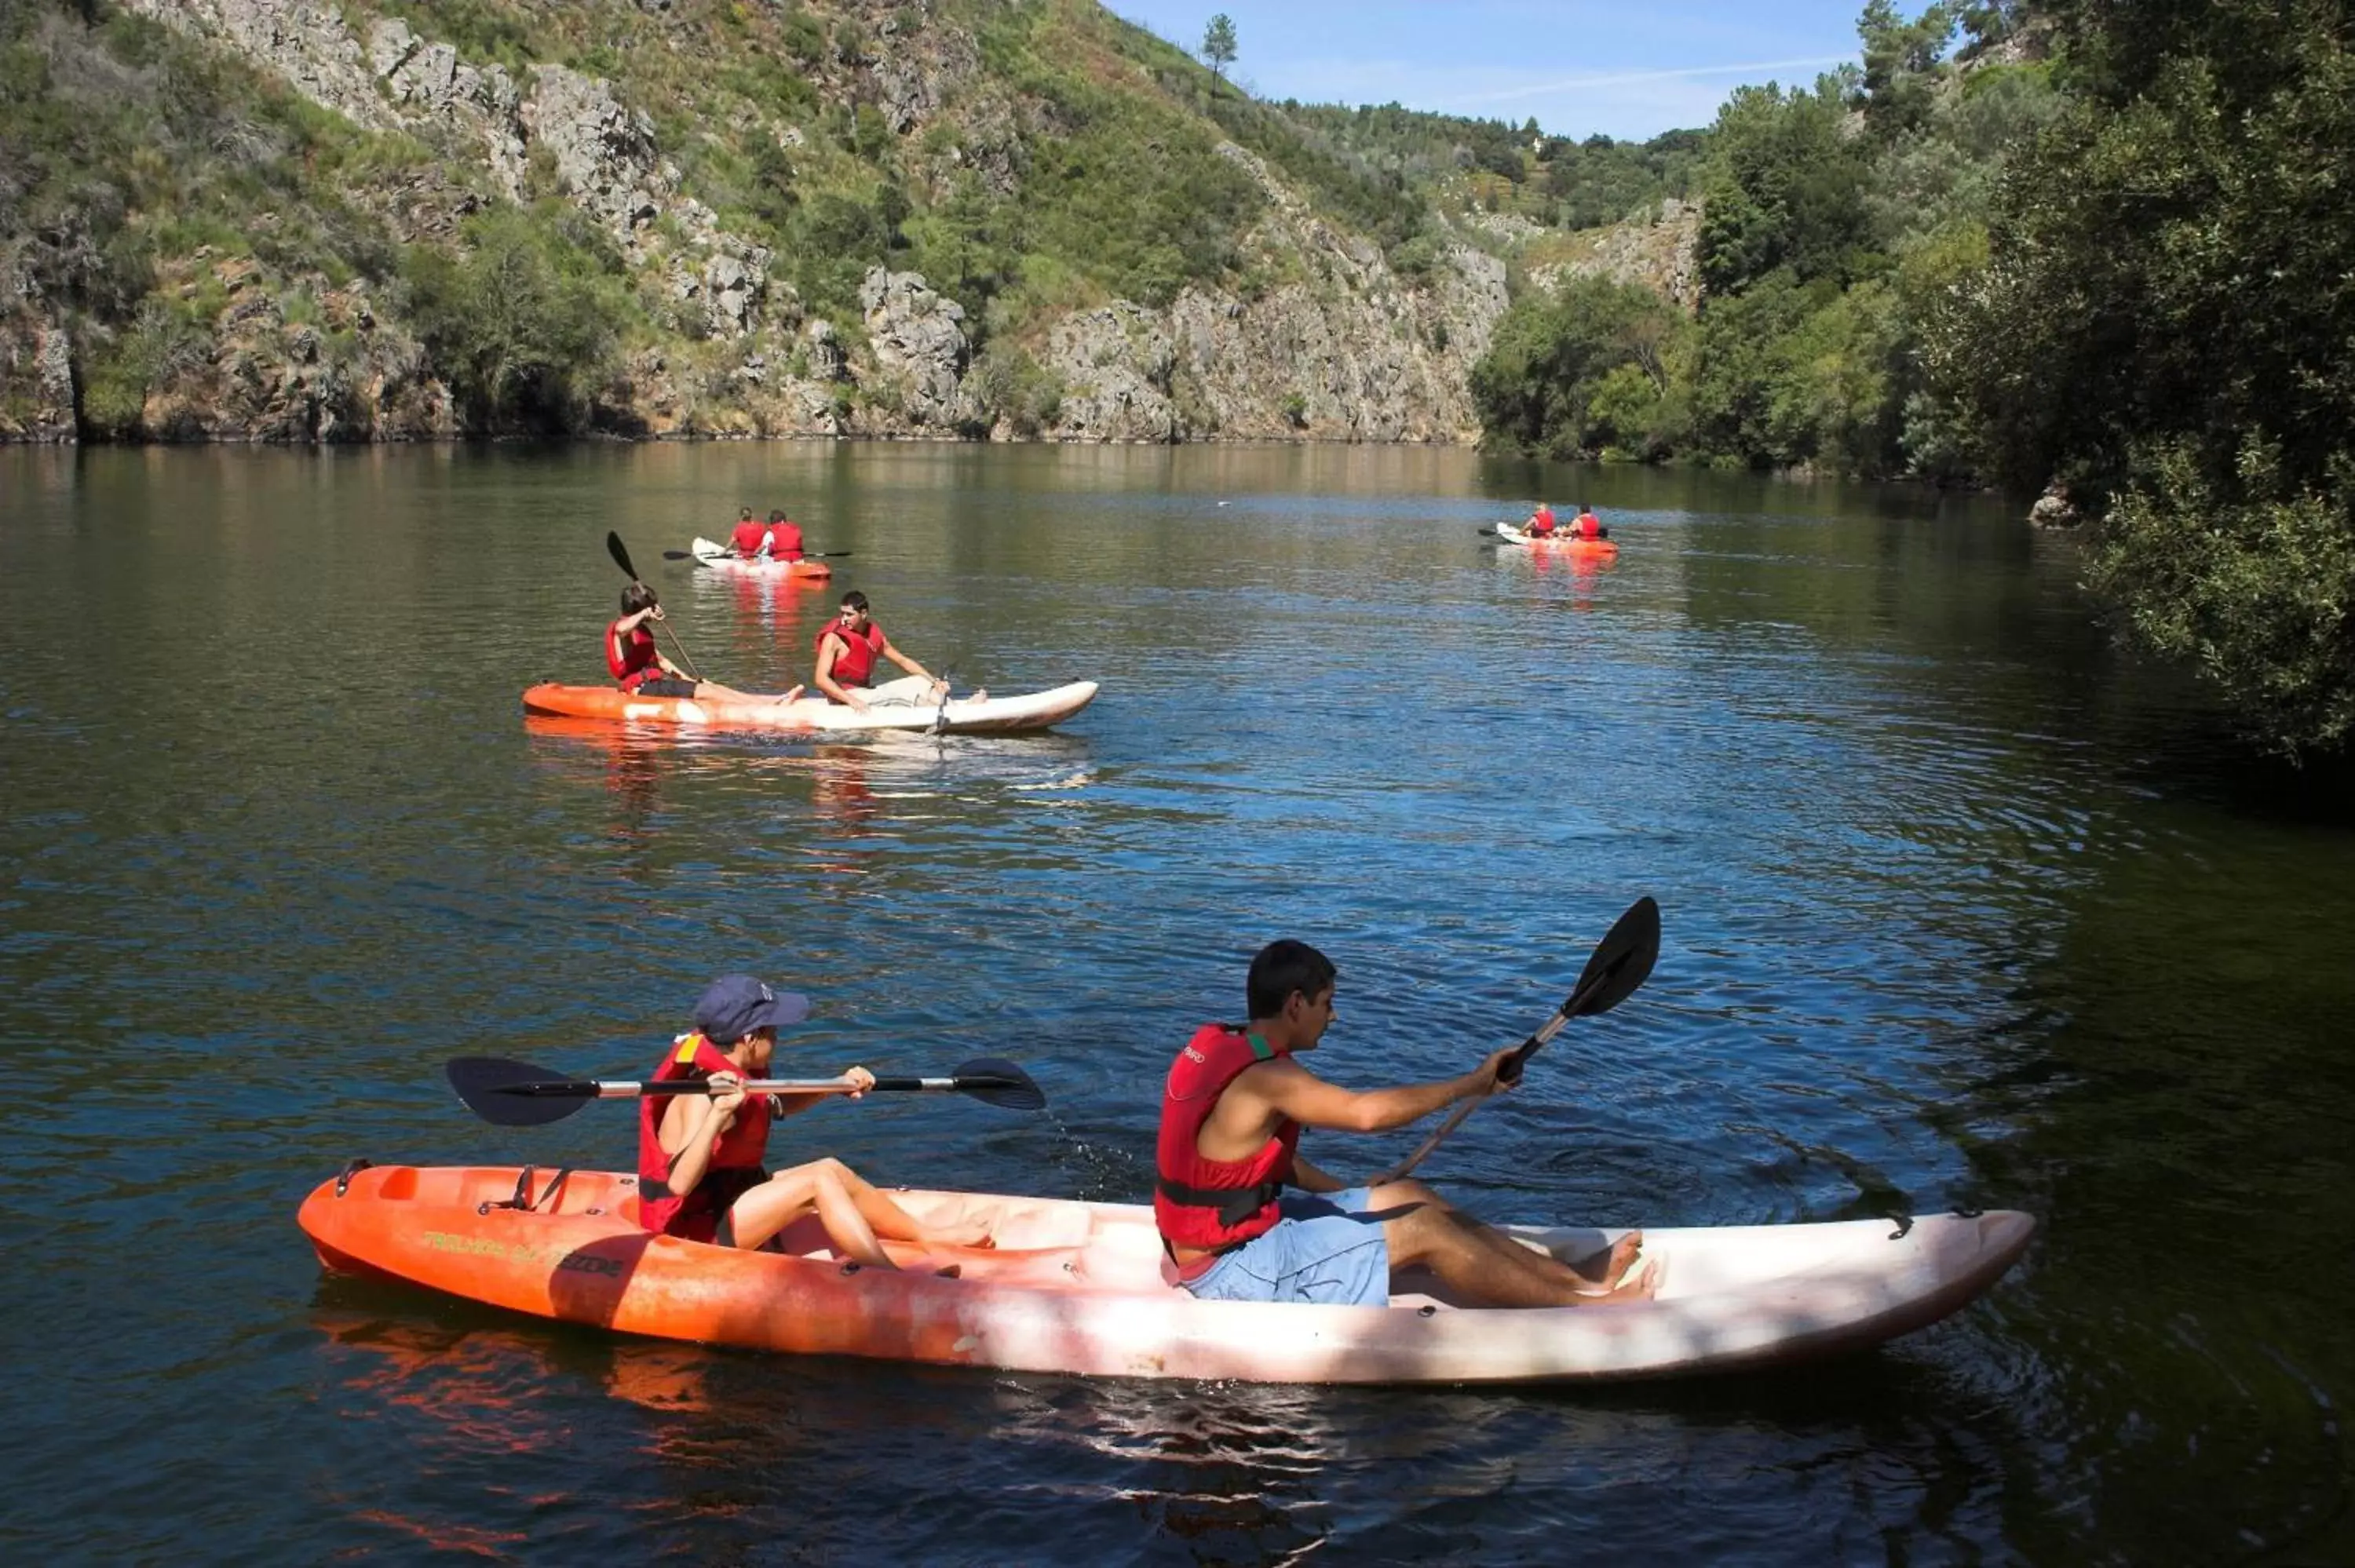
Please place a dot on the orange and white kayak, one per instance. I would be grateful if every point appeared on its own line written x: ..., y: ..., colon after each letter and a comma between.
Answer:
x: 1077, y: 1287
x: 902, y: 705
x: 1570, y: 542
x: 719, y: 557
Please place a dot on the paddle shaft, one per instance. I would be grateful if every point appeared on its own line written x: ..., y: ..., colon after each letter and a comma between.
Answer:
x: 622, y: 1089
x: 733, y: 555
x: 1521, y: 1054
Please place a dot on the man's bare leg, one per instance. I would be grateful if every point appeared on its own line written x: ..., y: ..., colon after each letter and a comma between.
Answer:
x: 1484, y: 1264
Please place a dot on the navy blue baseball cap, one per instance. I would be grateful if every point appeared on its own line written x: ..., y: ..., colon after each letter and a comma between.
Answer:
x: 735, y: 1005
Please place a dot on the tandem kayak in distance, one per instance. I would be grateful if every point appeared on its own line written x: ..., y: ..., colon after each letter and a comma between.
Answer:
x: 895, y: 704
x: 720, y: 558
x: 1564, y: 542
x: 1077, y: 1287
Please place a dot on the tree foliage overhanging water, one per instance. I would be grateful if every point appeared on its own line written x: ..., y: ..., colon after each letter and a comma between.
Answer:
x: 2102, y: 247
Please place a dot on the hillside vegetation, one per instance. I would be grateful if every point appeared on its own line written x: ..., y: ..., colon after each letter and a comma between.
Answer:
x: 561, y: 214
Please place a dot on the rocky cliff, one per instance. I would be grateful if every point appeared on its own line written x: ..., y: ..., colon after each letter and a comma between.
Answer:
x: 1306, y: 330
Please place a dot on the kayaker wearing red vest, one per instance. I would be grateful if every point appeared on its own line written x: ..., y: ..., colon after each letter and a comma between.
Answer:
x: 639, y: 666
x: 847, y: 647
x: 1540, y: 523
x: 1231, y: 1112
x: 749, y: 536
x: 784, y: 538
x: 1587, y: 525
x: 699, y: 1171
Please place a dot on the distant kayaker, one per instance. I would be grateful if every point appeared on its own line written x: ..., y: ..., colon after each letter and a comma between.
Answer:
x: 1587, y: 525
x: 1540, y: 523
x: 749, y: 535
x: 699, y: 1171
x: 640, y: 667
x: 782, y: 539
x: 1232, y: 1113
x: 847, y: 647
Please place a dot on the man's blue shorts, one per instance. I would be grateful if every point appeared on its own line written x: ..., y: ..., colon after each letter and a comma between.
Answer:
x: 1328, y: 1248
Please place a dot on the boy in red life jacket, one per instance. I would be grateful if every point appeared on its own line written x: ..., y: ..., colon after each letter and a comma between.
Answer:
x: 784, y: 538
x: 699, y: 1171
x: 1540, y: 523
x: 639, y: 666
x: 1232, y: 1113
x: 750, y: 536
x: 847, y: 647
x: 1587, y: 525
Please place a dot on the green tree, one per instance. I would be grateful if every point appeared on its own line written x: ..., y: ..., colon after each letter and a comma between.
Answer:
x: 1218, y: 44
x: 1536, y: 388
x: 516, y: 324
x: 2164, y: 324
x: 1902, y: 65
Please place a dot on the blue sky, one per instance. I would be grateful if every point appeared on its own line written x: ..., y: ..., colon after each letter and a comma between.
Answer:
x: 1576, y: 66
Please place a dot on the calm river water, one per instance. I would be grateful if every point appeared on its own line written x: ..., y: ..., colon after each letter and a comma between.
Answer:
x: 1961, y: 908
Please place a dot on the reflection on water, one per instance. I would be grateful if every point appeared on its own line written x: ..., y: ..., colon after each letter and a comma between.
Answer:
x: 1960, y: 908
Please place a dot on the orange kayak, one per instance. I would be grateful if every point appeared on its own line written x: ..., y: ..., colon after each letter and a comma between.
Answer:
x: 1077, y: 1287
x: 902, y: 705
x: 1570, y: 542
x: 720, y: 558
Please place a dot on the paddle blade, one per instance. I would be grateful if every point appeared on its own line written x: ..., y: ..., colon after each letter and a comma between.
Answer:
x: 1621, y: 961
x: 679, y: 555
x: 620, y: 554
x: 999, y: 1082
x: 517, y: 1093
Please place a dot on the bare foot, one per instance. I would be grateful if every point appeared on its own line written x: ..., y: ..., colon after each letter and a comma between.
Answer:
x: 1610, y: 1265
x: 958, y: 1235
x: 1639, y: 1287
x: 791, y: 697
x: 977, y: 695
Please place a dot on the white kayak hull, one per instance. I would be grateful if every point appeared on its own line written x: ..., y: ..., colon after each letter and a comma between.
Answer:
x: 1077, y: 1287
x: 720, y: 559
x: 903, y: 704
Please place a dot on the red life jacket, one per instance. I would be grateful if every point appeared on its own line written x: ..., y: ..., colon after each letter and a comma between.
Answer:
x: 1215, y: 1203
x: 855, y: 662
x: 735, y: 1164
x: 632, y: 658
x: 785, y: 541
x: 748, y: 536
x: 1590, y: 527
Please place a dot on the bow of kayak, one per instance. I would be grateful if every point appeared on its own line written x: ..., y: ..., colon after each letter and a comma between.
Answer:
x: 1077, y: 1287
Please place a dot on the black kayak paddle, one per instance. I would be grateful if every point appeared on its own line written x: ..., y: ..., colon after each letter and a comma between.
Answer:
x: 517, y: 1094
x: 619, y: 552
x: 1621, y: 961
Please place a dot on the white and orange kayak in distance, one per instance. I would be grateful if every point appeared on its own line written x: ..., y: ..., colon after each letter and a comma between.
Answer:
x: 1569, y: 543
x: 902, y: 705
x: 1077, y: 1287
x: 720, y: 558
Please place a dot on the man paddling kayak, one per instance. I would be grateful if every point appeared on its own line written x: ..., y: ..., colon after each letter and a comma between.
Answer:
x: 782, y: 542
x: 699, y: 1171
x: 1587, y: 525
x: 847, y: 647
x: 640, y: 667
x: 1540, y: 523
x: 1231, y: 1112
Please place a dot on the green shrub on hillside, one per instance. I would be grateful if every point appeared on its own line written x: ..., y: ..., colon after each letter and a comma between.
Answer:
x: 521, y: 322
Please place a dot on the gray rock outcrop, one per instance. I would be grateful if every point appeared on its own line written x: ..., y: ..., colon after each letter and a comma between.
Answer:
x: 919, y: 347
